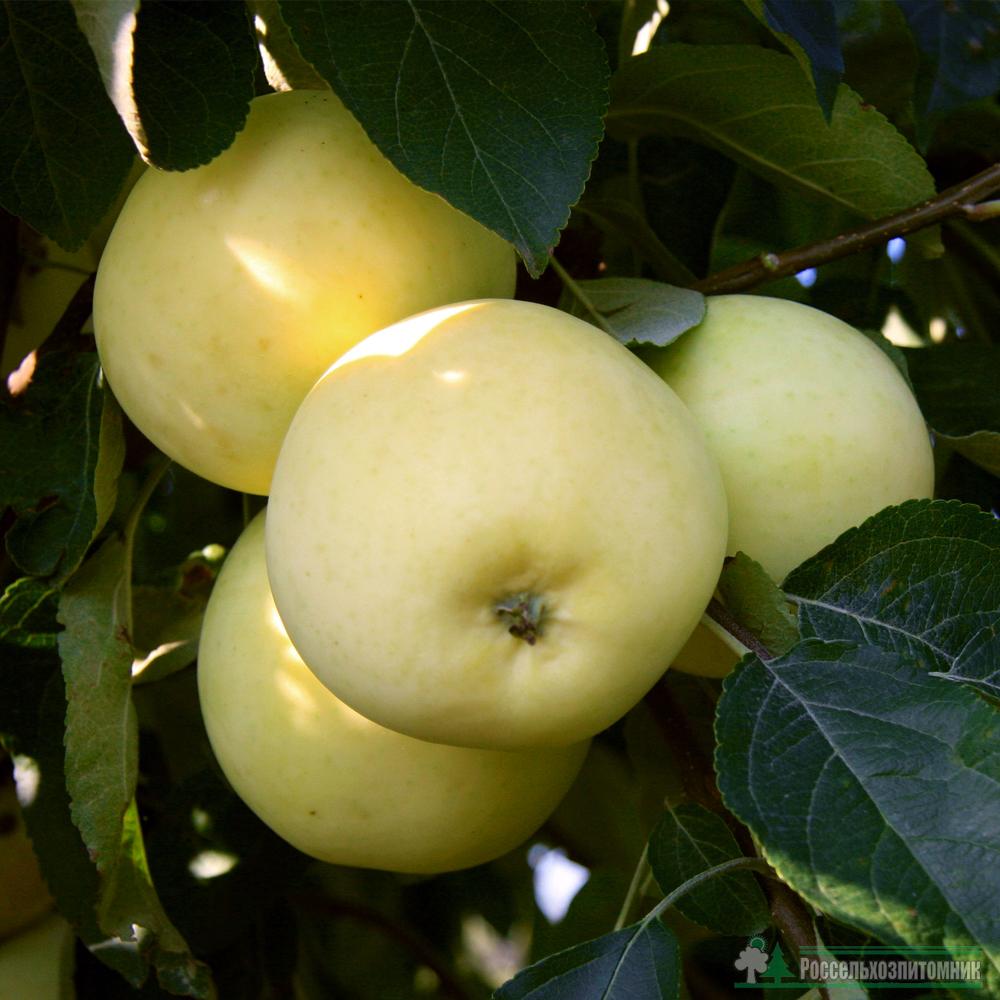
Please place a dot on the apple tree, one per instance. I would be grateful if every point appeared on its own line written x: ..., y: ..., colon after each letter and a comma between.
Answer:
x: 814, y: 776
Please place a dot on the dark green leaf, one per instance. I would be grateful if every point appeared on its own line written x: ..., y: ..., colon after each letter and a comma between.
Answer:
x: 636, y: 962
x: 638, y: 311
x: 101, y: 741
x: 193, y: 78
x: 28, y: 614
x: 101, y: 734
x: 689, y: 840
x: 497, y: 107
x: 61, y: 450
x: 757, y: 603
x: 873, y: 789
x: 978, y: 663
x: 168, y: 617
x: 959, y: 44
x: 920, y: 579
x: 32, y: 719
x: 192, y: 73
x: 63, y: 151
x: 756, y: 106
x: 810, y: 32
x: 958, y: 388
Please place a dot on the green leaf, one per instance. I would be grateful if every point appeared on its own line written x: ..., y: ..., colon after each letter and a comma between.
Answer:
x: 638, y: 311
x: 61, y: 450
x: 639, y: 961
x: 102, y: 748
x: 168, y: 619
x: 959, y: 44
x: 689, y: 840
x: 28, y: 614
x: 958, y: 388
x: 756, y: 106
x: 101, y: 741
x: 978, y: 663
x: 63, y: 151
x: 497, y: 107
x: 920, y: 579
x: 32, y: 718
x: 810, y: 32
x: 873, y: 789
x: 129, y: 899
x: 192, y: 73
x: 757, y: 603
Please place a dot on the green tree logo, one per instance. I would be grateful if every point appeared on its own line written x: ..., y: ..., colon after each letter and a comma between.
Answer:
x: 777, y: 968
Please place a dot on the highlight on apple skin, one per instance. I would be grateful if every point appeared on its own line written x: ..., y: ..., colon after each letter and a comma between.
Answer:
x: 491, y: 525
x: 225, y: 291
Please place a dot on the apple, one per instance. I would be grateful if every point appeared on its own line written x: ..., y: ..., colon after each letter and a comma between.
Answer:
x: 48, y: 279
x: 338, y: 787
x: 491, y: 525
x: 23, y: 893
x: 37, y: 964
x: 225, y: 291
x: 813, y: 427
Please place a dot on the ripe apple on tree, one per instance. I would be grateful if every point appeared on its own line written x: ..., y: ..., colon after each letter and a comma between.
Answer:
x: 491, y: 525
x: 225, y: 291
x: 813, y: 426
x: 335, y: 785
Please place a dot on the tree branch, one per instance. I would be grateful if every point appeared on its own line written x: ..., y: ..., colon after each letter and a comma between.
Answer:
x: 961, y: 200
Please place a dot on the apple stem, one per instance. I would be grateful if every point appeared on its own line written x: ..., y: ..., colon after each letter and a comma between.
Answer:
x: 523, y: 614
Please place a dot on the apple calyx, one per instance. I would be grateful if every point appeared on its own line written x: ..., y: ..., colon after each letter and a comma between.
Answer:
x: 523, y: 614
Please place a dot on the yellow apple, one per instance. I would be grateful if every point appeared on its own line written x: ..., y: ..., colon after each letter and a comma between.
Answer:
x: 46, y: 284
x: 491, y: 525
x: 813, y: 426
x: 335, y: 785
x: 38, y: 963
x: 225, y: 291
x: 49, y: 278
x: 23, y: 893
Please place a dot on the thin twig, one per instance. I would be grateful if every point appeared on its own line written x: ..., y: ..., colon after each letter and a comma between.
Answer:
x: 961, y: 200
x: 642, y: 869
x: 580, y: 294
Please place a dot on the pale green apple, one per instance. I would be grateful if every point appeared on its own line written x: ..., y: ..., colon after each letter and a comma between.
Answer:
x: 491, y: 525
x: 37, y: 964
x: 24, y: 896
x: 225, y: 291
x: 335, y: 785
x: 812, y: 424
